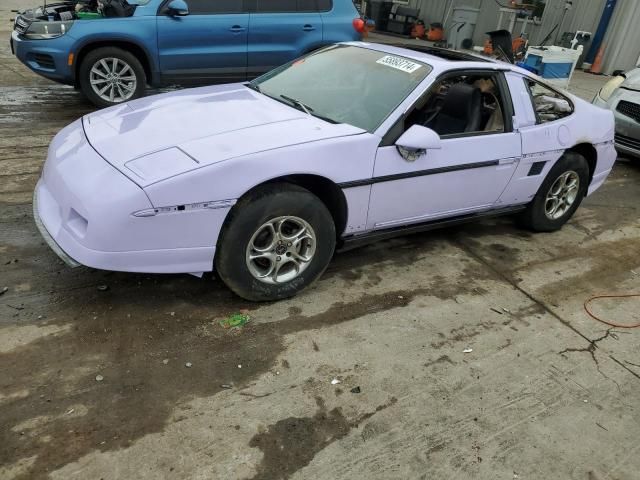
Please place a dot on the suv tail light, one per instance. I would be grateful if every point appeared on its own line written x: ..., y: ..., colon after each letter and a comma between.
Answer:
x: 363, y: 25
x: 359, y: 25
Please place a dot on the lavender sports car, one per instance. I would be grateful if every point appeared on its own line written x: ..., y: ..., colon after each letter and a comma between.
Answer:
x: 262, y: 181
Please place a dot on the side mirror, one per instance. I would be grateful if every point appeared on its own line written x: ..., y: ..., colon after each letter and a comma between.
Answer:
x: 178, y: 8
x: 416, y: 141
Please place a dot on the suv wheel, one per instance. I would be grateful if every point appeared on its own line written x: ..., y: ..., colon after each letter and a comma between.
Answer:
x: 277, y: 241
x: 110, y: 75
x: 559, y: 196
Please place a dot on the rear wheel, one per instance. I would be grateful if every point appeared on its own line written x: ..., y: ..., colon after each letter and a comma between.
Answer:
x: 559, y: 196
x: 277, y: 241
x: 110, y: 75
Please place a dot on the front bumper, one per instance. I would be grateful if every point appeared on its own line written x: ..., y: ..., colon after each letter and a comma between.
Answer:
x: 628, y: 145
x: 47, y: 237
x: 627, y: 139
x: 48, y: 58
x: 74, y: 253
x: 84, y: 210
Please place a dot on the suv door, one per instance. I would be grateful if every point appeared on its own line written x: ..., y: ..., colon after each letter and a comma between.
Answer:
x: 467, y: 174
x: 209, y: 44
x: 281, y: 30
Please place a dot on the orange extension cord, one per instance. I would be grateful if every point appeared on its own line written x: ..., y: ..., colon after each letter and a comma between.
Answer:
x: 612, y: 324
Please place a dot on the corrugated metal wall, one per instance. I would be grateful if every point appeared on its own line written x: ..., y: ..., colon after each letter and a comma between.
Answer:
x: 584, y: 15
x: 622, y: 42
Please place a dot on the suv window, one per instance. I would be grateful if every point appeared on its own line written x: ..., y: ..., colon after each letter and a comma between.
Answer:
x: 290, y: 6
x: 202, y: 7
x: 548, y: 104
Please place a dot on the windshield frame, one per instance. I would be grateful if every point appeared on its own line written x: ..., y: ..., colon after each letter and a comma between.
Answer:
x: 255, y: 83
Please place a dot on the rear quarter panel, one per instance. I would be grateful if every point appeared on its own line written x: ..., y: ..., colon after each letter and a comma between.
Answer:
x: 547, y: 142
x: 337, y: 23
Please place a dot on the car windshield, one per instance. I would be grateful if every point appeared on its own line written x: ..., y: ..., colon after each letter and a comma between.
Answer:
x: 345, y: 84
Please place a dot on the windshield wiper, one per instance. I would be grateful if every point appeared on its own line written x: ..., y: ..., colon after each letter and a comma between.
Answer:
x: 307, y: 109
x: 303, y: 106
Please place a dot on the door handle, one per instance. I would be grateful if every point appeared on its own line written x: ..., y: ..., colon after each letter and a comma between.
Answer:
x: 308, y: 28
x: 237, y: 29
x: 508, y: 161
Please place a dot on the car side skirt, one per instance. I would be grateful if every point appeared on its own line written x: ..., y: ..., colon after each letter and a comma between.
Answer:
x: 355, y: 241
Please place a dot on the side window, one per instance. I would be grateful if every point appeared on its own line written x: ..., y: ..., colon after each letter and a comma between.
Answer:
x: 211, y: 7
x: 462, y: 104
x: 325, y: 5
x: 286, y: 6
x: 548, y: 104
x: 306, y: 6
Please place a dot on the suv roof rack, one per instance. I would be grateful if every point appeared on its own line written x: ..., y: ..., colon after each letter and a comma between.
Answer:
x: 444, y: 53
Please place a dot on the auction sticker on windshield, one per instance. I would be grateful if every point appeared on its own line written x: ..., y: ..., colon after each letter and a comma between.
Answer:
x: 399, y: 63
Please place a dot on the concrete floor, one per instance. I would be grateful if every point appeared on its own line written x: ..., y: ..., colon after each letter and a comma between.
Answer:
x: 546, y: 393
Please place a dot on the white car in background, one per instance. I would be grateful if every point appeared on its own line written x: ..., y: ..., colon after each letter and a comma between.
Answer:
x: 621, y: 95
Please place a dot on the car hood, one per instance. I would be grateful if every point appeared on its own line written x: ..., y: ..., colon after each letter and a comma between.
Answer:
x: 632, y: 81
x: 158, y: 137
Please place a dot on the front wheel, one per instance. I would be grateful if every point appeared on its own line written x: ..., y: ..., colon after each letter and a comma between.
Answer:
x: 109, y: 76
x: 559, y: 196
x: 277, y: 241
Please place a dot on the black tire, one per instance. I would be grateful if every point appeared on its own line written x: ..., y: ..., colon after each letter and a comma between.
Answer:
x: 248, y: 216
x: 535, y: 217
x: 104, y: 53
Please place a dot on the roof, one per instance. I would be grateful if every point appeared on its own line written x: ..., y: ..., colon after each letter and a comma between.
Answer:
x: 444, y: 53
x: 438, y: 58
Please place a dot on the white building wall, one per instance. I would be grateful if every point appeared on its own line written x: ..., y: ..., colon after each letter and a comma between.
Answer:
x: 622, y: 42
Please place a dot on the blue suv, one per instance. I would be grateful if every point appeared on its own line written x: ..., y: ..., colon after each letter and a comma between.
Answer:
x: 113, y: 49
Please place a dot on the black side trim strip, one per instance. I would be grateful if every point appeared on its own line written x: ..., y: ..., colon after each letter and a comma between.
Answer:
x: 418, y: 173
x: 355, y: 241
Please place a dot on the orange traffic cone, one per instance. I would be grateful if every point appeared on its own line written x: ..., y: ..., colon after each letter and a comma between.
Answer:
x: 596, y: 68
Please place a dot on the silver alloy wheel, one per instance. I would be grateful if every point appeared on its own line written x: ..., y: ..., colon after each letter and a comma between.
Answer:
x: 281, y: 249
x: 113, y: 80
x: 561, y: 195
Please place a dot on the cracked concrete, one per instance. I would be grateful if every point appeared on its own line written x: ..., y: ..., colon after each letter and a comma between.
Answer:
x: 593, y: 344
x: 547, y: 392
x: 591, y: 350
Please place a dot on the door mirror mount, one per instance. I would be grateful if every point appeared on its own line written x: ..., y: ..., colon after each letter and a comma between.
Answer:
x: 414, y: 143
x: 178, y: 8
